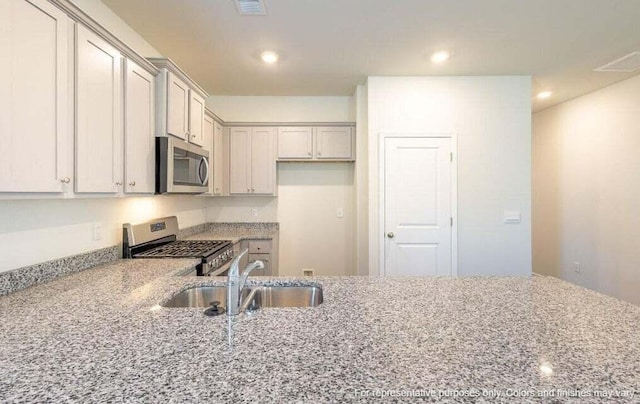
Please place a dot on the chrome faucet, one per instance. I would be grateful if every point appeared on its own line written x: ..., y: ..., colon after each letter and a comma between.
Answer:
x: 236, y: 282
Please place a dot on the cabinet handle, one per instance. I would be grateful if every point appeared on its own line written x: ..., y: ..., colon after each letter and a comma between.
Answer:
x: 253, y: 190
x: 65, y: 180
x: 309, y: 153
x: 319, y: 153
x: 132, y: 183
x: 248, y: 189
x: 186, y: 134
x: 119, y: 183
x: 217, y: 189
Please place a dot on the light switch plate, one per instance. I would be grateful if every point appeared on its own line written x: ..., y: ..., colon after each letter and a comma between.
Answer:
x: 512, y: 217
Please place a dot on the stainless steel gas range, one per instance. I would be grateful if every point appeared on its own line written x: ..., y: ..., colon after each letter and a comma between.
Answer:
x: 158, y: 239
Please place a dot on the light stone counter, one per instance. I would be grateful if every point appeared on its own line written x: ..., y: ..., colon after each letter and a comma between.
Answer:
x: 99, y: 336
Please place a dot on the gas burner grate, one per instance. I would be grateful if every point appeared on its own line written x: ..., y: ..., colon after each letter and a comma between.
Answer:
x: 185, y: 248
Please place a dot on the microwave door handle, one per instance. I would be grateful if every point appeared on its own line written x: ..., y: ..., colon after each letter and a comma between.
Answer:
x: 206, y: 176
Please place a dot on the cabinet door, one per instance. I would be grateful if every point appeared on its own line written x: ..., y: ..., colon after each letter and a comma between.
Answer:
x: 208, y: 145
x: 334, y: 143
x: 295, y: 143
x: 99, y: 151
x: 263, y: 162
x: 219, y: 157
x: 177, y: 107
x: 239, y: 161
x: 196, y: 118
x: 35, y: 132
x: 139, y: 130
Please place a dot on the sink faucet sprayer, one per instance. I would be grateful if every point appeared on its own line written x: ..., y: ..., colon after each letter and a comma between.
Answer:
x: 236, y: 282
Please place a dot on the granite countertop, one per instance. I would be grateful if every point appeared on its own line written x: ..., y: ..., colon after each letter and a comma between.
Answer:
x: 99, y: 335
x: 238, y: 231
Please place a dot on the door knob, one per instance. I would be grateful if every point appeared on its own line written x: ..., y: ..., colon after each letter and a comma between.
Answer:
x: 390, y: 234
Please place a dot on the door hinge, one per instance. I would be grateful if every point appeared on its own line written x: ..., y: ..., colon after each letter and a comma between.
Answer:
x: 451, y: 222
x: 451, y: 156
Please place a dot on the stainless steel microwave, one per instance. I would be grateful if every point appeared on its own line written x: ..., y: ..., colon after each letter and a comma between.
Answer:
x: 181, y: 167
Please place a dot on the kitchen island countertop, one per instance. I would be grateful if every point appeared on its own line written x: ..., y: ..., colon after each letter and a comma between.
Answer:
x: 99, y: 335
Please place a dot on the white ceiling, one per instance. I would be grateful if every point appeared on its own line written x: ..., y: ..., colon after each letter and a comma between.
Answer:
x: 327, y: 47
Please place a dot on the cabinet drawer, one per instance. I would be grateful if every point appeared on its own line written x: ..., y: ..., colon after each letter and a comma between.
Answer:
x: 266, y: 258
x: 259, y: 246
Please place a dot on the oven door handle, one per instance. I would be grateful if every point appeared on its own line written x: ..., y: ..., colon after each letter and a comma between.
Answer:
x: 221, y: 270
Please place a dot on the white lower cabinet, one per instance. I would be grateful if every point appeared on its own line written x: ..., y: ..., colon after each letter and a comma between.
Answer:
x: 252, y: 165
x: 139, y: 132
x: 36, y: 96
x: 99, y: 134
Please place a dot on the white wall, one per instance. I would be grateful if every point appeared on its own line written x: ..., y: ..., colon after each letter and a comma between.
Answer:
x: 586, y: 176
x: 34, y: 231
x: 492, y: 119
x: 282, y: 109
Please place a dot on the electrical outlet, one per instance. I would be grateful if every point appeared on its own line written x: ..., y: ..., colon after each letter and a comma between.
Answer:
x: 576, y: 267
x: 97, y: 231
x: 340, y: 213
x: 254, y: 212
x: 307, y: 271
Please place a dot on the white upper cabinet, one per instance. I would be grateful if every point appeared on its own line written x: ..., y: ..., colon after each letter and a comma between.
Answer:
x: 208, y: 145
x: 295, y: 143
x: 332, y: 143
x: 180, y: 104
x: 252, y: 168
x: 177, y: 107
x: 99, y: 134
x: 36, y: 95
x: 220, y: 158
x: 139, y: 136
x: 196, y: 119
x: 263, y: 162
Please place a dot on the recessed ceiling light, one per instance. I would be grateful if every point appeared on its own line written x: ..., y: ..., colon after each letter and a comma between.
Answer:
x: 440, y: 57
x: 269, y: 57
x: 544, y: 95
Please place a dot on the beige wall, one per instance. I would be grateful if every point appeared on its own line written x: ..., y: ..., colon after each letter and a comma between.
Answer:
x: 586, y: 172
x: 311, y: 234
x: 109, y: 20
x: 34, y: 231
x: 491, y: 117
x: 362, y: 182
x: 282, y: 109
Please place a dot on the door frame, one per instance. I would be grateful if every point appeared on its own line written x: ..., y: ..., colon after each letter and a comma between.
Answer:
x: 381, y: 191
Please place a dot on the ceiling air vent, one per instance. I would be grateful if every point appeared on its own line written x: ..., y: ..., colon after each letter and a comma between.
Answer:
x: 628, y: 63
x: 251, y: 7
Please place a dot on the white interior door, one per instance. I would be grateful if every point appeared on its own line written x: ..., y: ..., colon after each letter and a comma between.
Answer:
x: 417, y: 206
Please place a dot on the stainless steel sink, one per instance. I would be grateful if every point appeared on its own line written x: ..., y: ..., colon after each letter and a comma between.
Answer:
x: 284, y: 296
x: 199, y: 296
x: 254, y: 297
